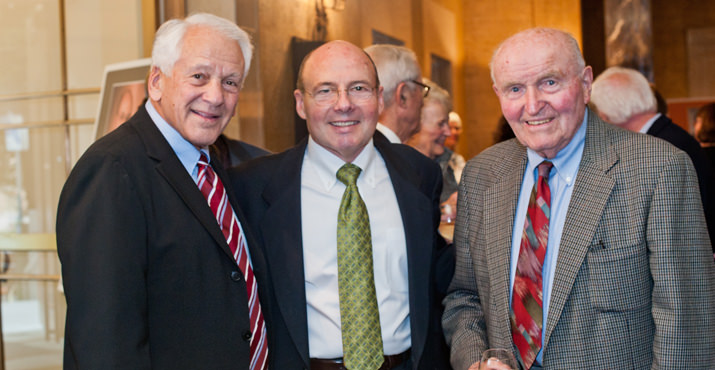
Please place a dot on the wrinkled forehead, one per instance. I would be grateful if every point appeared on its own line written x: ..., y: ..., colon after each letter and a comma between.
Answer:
x: 533, y: 56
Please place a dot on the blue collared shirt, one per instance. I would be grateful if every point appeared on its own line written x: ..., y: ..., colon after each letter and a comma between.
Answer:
x: 561, y: 181
x: 187, y: 152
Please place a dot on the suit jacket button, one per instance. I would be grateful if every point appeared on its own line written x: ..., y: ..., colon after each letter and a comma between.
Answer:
x: 236, y: 276
x: 247, y: 336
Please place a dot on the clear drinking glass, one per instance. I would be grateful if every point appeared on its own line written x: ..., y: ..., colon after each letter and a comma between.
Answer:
x: 497, y: 359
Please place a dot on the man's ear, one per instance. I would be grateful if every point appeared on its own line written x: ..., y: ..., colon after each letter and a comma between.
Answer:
x: 401, y: 94
x: 299, y: 104
x: 380, y: 100
x: 155, y: 83
x: 587, y: 82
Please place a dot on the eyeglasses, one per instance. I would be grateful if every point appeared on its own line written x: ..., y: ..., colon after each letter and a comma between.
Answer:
x: 425, y: 88
x: 329, y: 95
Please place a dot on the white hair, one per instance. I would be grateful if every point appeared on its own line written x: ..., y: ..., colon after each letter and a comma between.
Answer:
x: 454, y: 117
x: 170, y: 36
x: 437, y: 94
x: 395, y: 64
x: 621, y: 93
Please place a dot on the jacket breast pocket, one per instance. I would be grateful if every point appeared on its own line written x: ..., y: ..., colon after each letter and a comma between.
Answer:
x: 619, y: 277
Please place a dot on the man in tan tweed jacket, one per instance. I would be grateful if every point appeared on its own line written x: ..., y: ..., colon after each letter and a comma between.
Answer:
x: 628, y: 275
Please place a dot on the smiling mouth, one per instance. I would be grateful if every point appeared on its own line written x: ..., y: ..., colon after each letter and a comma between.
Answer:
x: 539, y: 122
x: 206, y: 115
x: 344, y: 123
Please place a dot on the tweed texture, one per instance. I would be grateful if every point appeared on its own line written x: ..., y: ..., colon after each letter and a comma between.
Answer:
x: 635, y: 281
x: 359, y: 316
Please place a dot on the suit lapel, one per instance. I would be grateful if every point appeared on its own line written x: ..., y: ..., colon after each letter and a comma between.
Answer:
x: 416, y: 210
x: 502, y: 201
x: 169, y: 166
x: 591, y: 191
x: 284, y: 247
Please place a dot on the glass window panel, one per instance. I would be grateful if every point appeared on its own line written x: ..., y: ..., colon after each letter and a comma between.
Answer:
x: 81, y: 137
x: 31, y: 111
x: 83, y: 106
x: 33, y: 172
x: 100, y: 32
x: 29, y: 46
x: 33, y: 313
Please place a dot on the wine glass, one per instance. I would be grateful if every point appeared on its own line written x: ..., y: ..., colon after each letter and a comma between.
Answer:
x: 498, y: 359
x: 446, y: 225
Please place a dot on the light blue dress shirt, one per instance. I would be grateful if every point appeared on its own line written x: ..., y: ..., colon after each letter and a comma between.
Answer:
x: 188, y: 154
x: 561, y: 181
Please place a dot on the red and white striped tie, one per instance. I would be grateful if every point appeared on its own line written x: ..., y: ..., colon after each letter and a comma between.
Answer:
x: 215, y: 194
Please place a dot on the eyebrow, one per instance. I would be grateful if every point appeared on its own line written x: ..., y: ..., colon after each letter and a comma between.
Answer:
x: 553, y: 73
x: 207, y: 67
x: 351, y: 83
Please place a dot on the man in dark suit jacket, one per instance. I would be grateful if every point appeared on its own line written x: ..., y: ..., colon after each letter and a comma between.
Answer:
x: 150, y: 280
x: 623, y: 97
x: 626, y: 279
x: 233, y: 152
x: 291, y: 201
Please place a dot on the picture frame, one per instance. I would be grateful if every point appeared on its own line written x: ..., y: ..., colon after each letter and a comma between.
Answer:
x: 123, y: 91
x: 683, y: 110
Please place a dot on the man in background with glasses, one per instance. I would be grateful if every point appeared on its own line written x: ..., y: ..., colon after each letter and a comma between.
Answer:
x: 403, y: 91
x: 296, y: 201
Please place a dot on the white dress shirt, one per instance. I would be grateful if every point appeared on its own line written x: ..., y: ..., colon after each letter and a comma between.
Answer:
x: 321, y: 194
x: 389, y: 134
x: 649, y: 124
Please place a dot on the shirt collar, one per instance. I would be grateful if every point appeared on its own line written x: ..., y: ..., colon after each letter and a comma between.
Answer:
x: 187, y: 152
x: 567, y: 159
x: 389, y: 134
x: 649, y: 124
x: 327, y: 164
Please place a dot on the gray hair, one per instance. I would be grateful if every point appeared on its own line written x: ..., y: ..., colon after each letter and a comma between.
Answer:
x: 170, y: 37
x: 570, y: 43
x: 395, y: 64
x: 620, y: 93
x: 438, y: 95
x: 454, y: 117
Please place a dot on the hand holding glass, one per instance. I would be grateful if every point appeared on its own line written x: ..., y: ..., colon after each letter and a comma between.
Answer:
x: 497, y: 359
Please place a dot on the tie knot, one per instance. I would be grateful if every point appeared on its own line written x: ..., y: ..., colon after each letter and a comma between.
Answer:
x: 545, y: 168
x: 203, y: 160
x: 348, y: 174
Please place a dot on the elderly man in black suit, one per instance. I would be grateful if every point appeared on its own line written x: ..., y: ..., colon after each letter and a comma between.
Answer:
x: 155, y: 262
x: 293, y: 203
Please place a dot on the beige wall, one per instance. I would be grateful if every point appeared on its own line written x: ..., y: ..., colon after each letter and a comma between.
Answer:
x: 465, y: 32
x: 442, y: 30
x: 279, y: 22
x: 426, y: 26
x: 486, y: 24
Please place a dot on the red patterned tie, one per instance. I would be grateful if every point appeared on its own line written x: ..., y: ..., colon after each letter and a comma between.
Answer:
x: 215, y: 194
x: 526, y: 303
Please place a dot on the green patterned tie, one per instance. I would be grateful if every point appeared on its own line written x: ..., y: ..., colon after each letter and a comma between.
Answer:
x: 359, y: 317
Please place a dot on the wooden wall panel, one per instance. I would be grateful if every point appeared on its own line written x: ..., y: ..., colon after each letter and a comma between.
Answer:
x: 671, y: 22
x: 701, y: 59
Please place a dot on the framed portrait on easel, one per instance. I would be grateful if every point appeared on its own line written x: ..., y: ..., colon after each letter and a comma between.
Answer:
x: 123, y: 91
